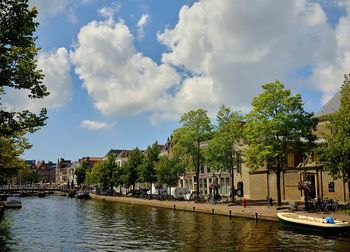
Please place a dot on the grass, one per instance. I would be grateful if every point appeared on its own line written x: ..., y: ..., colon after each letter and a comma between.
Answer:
x: 347, y: 211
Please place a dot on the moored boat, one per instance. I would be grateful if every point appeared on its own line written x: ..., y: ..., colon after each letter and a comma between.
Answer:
x: 41, y: 194
x: 13, y: 202
x: 311, y: 223
x: 82, y: 195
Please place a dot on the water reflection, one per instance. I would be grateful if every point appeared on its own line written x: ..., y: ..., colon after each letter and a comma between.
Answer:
x: 63, y: 224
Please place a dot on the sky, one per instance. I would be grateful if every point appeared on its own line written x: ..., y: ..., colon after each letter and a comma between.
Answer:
x: 122, y: 72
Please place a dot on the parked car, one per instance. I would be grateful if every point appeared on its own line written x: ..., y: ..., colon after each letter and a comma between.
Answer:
x: 142, y: 193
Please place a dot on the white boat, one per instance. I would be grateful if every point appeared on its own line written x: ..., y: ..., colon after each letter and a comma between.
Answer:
x: 13, y: 202
x: 312, y: 223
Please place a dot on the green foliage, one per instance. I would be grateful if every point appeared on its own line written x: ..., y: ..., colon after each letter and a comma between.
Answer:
x: 80, y: 172
x: 18, y: 66
x: 131, y: 168
x: 108, y: 168
x: 276, y: 123
x: 10, y: 150
x: 196, y: 128
x: 224, y: 149
x: 146, y: 170
x: 18, y: 70
x: 27, y: 176
x: 169, y: 170
x: 93, y: 176
x: 335, y: 153
x: 102, y: 173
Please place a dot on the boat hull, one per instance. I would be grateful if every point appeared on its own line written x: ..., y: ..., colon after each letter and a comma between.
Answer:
x: 314, y: 226
x: 14, y: 205
x: 82, y: 196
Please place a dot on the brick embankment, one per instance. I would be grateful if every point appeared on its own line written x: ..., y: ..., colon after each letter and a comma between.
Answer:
x: 252, y: 212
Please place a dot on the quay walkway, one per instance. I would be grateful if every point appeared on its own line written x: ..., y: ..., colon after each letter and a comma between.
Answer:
x: 257, y: 212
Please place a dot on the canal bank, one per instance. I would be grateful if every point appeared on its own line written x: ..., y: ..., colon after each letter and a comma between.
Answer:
x: 257, y: 212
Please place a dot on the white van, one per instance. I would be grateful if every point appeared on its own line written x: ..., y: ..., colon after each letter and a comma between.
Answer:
x: 158, y: 191
x: 178, y: 192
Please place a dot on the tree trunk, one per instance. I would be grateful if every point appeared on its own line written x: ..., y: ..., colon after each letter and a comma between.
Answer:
x: 348, y: 191
x: 197, y: 170
x: 197, y: 178
x: 232, y: 184
x: 278, y: 178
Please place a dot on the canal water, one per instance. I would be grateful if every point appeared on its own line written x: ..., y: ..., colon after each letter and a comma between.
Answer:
x: 58, y: 223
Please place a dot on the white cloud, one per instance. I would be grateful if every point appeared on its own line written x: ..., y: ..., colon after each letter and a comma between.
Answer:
x: 328, y: 75
x: 119, y: 79
x: 68, y: 8
x: 239, y: 47
x: 141, y: 25
x: 95, y: 125
x: 51, y: 7
x: 109, y: 12
x: 226, y: 49
x: 56, y: 67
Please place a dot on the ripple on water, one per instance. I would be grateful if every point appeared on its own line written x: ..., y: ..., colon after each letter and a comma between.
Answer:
x: 64, y: 224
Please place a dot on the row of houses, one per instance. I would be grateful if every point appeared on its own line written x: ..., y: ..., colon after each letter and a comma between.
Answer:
x: 257, y: 185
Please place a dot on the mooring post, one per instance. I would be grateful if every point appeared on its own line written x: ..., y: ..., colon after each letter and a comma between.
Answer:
x: 174, y: 207
x: 194, y: 209
x: 212, y: 211
x: 230, y: 214
x: 256, y: 216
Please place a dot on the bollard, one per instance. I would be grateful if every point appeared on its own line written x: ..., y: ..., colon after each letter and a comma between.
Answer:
x: 244, y: 200
x: 230, y: 214
x: 256, y: 216
x: 194, y: 209
x: 174, y: 207
x: 212, y: 211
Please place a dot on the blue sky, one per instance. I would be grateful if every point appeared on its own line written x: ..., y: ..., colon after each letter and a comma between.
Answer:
x: 121, y: 73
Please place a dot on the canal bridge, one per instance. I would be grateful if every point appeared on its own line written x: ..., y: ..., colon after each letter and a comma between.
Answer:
x: 11, y: 189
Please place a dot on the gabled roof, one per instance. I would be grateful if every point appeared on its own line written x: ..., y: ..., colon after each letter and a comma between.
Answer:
x: 114, y: 152
x: 124, y: 154
x: 331, y: 106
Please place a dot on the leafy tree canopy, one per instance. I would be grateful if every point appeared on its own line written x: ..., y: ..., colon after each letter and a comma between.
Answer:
x: 81, y: 171
x: 335, y: 153
x: 169, y: 170
x: 196, y: 129
x: 147, y: 171
x: 224, y: 148
x: 18, y: 66
x: 131, y: 167
x: 276, y: 122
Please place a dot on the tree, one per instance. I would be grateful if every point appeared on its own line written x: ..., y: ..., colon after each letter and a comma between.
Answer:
x: 147, y: 171
x: 18, y: 70
x: 196, y: 129
x: 169, y: 170
x: 94, y: 175
x: 80, y: 172
x: 10, y: 150
x: 276, y: 122
x: 18, y: 66
x: 131, y: 166
x: 102, y: 173
x: 107, y: 171
x: 224, y: 150
x: 335, y: 153
x: 27, y: 176
x: 118, y: 177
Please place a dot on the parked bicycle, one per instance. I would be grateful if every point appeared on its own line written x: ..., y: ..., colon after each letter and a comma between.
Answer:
x: 321, y: 205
